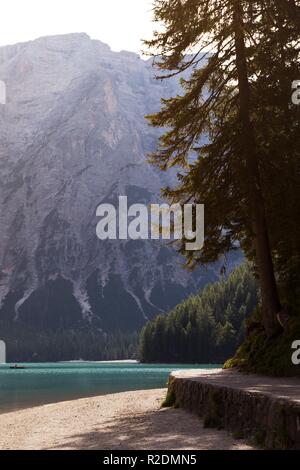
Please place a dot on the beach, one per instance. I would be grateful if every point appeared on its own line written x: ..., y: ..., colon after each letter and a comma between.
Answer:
x: 120, y: 421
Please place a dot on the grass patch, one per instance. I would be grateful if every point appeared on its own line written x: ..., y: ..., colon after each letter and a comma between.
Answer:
x: 268, y: 356
x: 170, y: 399
x: 259, y: 439
x: 238, y: 435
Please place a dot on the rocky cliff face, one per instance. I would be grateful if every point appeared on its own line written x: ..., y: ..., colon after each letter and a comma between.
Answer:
x: 73, y: 135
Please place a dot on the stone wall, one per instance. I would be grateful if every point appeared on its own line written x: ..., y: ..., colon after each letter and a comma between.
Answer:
x: 270, y: 420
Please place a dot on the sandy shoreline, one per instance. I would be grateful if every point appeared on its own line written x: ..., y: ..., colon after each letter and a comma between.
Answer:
x: 127, y: 420
x: 83, y: 361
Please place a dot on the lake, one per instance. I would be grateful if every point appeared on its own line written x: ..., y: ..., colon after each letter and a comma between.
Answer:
x: 39, y: 384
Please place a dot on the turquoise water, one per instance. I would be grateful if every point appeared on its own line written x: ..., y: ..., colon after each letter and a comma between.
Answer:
x: 49, y: 383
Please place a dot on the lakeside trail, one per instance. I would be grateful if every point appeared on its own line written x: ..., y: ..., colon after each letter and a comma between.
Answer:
x: 121, y: 421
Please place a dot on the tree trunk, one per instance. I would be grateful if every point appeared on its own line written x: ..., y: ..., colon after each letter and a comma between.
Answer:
x: 270, y: 300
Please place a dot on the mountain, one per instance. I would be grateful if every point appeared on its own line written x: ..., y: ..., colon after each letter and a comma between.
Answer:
x: 73, y: 135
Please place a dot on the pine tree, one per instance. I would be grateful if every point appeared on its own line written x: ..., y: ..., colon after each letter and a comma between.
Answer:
x: 214, y: 128
x: 198, y: 330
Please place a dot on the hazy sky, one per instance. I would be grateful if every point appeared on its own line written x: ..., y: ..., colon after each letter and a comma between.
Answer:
x: 119, y: 23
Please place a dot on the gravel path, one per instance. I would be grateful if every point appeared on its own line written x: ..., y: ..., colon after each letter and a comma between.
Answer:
x: 276, y: 387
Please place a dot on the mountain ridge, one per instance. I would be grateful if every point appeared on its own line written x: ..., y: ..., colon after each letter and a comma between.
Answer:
x: 72, y: 135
